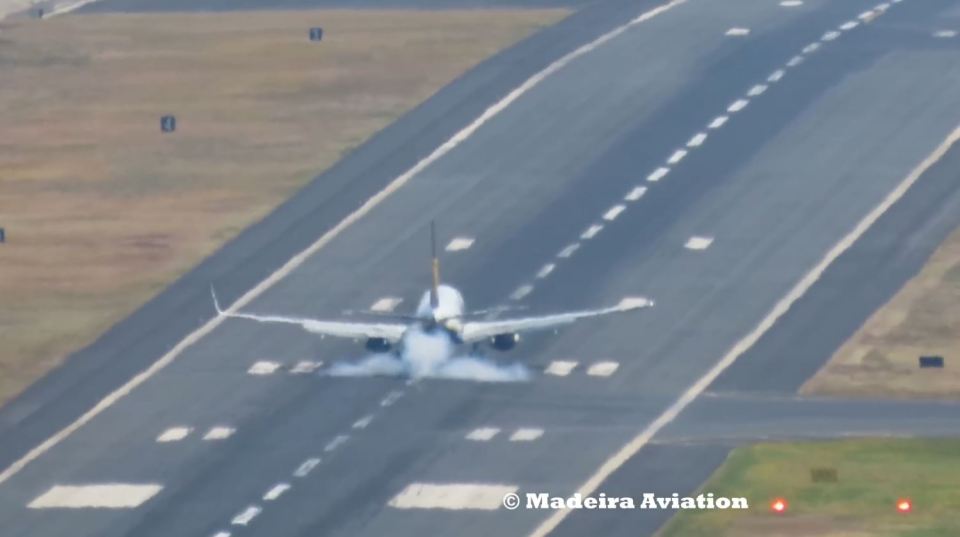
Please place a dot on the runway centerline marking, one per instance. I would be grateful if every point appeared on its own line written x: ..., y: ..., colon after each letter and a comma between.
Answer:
x: 658, y: 174
x: 460, y: 243
x: 244, y: 517
x: 603, y: 369
x: 521, y: 292
x: 677, y: 156
x: 698, y: 243
x: 306, y: 467
x: 483, y: 434
x: 630, y: 449
x: 614, y: 212
x: 297, y: 260
x: 546, y: 270
x: 174, y: 434
x: 386, y: 304
x: 636, y: 193
x: 738, y: 32
x: 697, y: 139
x: 276, y: 491
x: 568, y: 251
x: 526, y: 434
x: 560, y: 368
x: 591, y: 232
x: 263, y: 367
x: 718, y: 122
x: 219, y: 432
x: 305, y: 367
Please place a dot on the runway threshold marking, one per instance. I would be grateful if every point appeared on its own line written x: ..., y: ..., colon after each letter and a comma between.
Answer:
x: 626, y: 452
x: 96, y: 496
x: 297, y: 260
x: 455, y: 496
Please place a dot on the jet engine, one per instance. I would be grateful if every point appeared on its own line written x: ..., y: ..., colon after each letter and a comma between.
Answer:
x: 504, y: 342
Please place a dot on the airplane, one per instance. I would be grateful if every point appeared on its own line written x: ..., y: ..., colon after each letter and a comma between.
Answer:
x: 441, y: 310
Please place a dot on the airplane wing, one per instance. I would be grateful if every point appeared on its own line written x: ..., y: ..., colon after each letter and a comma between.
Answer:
x: 391, y: 332
x: 479, y: 330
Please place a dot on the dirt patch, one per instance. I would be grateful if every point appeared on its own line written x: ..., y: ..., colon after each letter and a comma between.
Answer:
x: 102, y: 210
x: 923, y: 318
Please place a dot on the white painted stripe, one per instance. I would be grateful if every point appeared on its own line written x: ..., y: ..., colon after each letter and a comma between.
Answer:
x: 867, y: 15
x: 568, y: 251
x: 219, y: 432
x: 697, y: 139
x: 738, y: 105
x: 560, y: 368
x: 698, y: 243
x: 244, y: 517
x: 776, y: 75
x: 263, y: 368
x: 812, y: 47
x: 795, y: 61
x: 626, y: 452
x: 483, y: 434
x: 96, y: 496
x: 454, y: 496
x: 546, y: 270
x: 757, y: 90
x: 363, y: 422
x: 391, y: 398
x: 591, y: 232
x: 613, y: 212
x: 276, y: 491
x: 658, y: 174
x: 521, y: 292
x: 222, y: 534
x: 386, y: 304
x: 337, y: 441
x: 304, y: 367
x: 791, y: 3
x: 882, y: 7
x: 526, y: 435
x: 636, y: 193
x: 945, y: 34
x: 306, y: 467
x: 830, y: 36
x: 603, y: 369
x: 459, y: 243
x: 174, y: 434
x: 324, y: 239
x: 677, y: 156
x: 718, y: 122
x: 849, y: 25
x: 738, y: 32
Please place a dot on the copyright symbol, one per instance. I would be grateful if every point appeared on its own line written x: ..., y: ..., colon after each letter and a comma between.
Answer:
x: 511, y: 501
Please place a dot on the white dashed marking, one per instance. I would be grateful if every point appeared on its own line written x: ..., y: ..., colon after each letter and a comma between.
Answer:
x: 697, y: 140
x: 629, y: 302
x: 337, y: 441
x: 306, y: 467
x: 568, y: 251
x: 219, y: 432
x: 698, y: 243
x: 459, y: 243
x: 386, y: 304
x: 718, y: 122
x: 795, y: 61
x: 174, y: 434
x: 391, y: 398
x: 222, y: 534
x: 849, y: 25
x: 363, y: 422
x: 526, y: 435
x: 263, y: 368
x: 776, y: 76
x: 521, y: 292
x: 945, y: 34
x: 304, y: 367
x: 276, y: 491
x: 560, y: 368
x: 757, y: 90
x: 658, y: 174
x: 244, y: 517
x: 591, y: 232
x: 613, y: 212
x: 483, y: 434
x: 738, y: 105
x: 453, y: 496
x: 830, y: 36
x: 603, y: 369
x: 867, y: 16
x: 738, y: 32
x: 546, y: 270
x: 791, y: 3
x: 636, y: 193
x: 102, y: 496
x: 812, y: 47
x: 677, y: 156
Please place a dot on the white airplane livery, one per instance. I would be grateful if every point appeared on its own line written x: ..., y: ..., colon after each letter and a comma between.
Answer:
x: 440, y: 310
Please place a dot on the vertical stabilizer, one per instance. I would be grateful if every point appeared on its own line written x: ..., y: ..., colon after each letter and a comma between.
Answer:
x: 434, y: 297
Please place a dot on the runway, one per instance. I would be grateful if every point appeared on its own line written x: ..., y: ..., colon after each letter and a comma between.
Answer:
x: 769, y: 162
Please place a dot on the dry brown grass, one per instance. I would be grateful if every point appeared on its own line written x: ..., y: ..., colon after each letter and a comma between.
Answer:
x: 102, y: 210
x: 923, y: 318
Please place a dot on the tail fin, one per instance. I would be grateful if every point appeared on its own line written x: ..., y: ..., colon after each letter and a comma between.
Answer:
x: 434, y: 297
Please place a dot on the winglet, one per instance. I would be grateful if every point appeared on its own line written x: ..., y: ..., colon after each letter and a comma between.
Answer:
x: 216, y: 303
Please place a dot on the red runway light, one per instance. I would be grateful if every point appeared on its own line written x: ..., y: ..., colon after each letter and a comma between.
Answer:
x: 778, y: 505
x: 904, y: 505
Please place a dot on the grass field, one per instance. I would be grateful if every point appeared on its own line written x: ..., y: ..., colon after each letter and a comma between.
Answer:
x: 923, y: 318
x: 102, y: 210
x: 872, y: 476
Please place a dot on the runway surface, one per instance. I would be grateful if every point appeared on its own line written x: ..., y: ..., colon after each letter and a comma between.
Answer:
x: 723, y: 148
